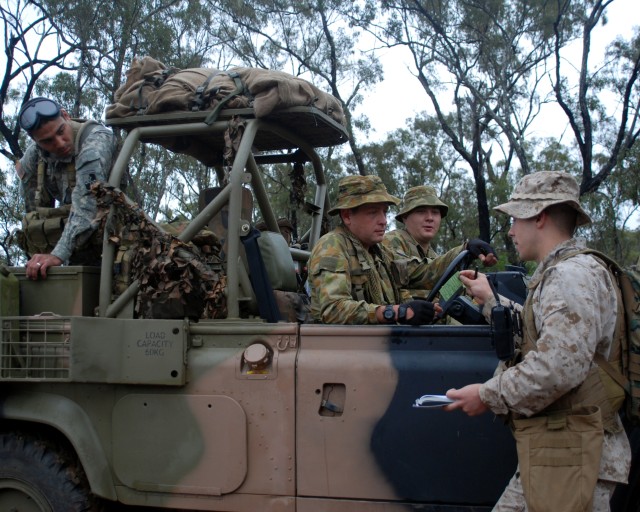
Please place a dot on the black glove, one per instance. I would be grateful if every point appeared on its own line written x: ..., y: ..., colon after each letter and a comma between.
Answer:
x: 477, y: 247
x: 423, y: 312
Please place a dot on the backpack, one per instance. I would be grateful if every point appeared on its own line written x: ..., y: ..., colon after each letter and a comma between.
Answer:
x: 627, y: 357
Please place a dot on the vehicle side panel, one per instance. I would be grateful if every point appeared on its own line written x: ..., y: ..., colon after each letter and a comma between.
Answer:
x: 222, y: 440
x: 381, y: 447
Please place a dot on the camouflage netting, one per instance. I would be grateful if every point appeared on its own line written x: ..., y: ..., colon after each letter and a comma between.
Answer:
x: 177, y: 279
x: 232, y: 138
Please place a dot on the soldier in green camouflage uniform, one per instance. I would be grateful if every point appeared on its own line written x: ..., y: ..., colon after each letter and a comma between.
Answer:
x: 285, y: 226
x: 352, y: 278
x: 54, y: 136
x: 421, y: 213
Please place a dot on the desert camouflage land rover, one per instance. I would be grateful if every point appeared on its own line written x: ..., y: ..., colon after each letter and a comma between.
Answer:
x: 106, y: 405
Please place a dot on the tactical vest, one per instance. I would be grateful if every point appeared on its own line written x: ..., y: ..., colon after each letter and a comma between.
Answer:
x: 429, y: 256
x: 366, y: 282
x: 42, y: 228
x: 598, y: 388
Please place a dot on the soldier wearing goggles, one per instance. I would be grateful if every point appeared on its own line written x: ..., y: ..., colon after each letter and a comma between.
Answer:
x: 65, y: 152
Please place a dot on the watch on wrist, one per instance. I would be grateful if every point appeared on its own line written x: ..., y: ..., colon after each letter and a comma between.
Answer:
x: 402, y: 313
x: 389, y: 314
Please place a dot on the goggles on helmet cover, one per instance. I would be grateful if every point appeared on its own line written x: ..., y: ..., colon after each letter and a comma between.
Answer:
x: 35, y: 110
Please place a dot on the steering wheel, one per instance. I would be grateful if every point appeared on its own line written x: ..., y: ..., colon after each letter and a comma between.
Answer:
x: 465, y: 311
x: 460, y: 262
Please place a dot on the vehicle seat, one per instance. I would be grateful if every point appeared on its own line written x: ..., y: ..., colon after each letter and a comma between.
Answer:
x: 273, y: 278
x: 278, y: 262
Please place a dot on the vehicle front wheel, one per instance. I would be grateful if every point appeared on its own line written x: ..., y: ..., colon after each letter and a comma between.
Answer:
x: 35, y: 476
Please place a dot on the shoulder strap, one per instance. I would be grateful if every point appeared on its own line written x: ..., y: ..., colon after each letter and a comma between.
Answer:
x: 40, y: 191
x: 358, y: 284
x: 84, y: 129
x: 620, y: 379
x: 620, y: 334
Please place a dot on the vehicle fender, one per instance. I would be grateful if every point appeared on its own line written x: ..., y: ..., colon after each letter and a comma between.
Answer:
x: 68, y: 418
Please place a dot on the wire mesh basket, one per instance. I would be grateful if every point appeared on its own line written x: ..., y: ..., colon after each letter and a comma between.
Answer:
x: 36, y: 348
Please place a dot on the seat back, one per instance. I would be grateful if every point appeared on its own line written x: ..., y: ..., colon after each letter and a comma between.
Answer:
x: 278, y: 262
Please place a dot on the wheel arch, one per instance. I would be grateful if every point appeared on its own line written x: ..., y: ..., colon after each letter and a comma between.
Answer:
x: 70, y: 421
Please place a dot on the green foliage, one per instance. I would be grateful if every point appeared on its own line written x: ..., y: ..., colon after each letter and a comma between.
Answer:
x: 11, y: 208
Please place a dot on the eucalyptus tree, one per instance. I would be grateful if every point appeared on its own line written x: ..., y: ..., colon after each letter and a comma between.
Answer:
x: 614, y: 208
x: 480, y: 64
x: 109, y: 34
x: 600, y: 100
x: 313, y: 38
x: 34, y: 47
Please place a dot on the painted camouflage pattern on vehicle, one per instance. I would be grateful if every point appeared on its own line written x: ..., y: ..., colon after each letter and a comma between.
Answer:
x: 323, y: 422
x: 241, y: 415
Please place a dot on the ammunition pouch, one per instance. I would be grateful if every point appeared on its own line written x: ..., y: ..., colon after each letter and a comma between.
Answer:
x: 559, y: 457
x: 359, y: 280
x: 599, y: 390
x: 41, y: 229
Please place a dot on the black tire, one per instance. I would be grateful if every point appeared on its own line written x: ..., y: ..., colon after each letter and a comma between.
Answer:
x: 36, y: 476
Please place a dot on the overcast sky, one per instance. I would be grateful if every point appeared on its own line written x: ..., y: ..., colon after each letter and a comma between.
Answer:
x: 400, y: 96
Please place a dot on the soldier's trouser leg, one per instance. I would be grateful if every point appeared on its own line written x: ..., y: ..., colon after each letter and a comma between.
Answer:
x: 512, y: 499
x: 602, y: 495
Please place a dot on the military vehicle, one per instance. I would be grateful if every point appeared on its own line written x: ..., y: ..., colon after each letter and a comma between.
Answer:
x: 104, y: 408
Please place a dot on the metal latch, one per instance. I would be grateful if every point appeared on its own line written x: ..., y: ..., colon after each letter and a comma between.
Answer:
x: 325, y: 404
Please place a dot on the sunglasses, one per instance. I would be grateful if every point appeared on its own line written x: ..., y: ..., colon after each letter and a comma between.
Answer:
x: 35, y: 111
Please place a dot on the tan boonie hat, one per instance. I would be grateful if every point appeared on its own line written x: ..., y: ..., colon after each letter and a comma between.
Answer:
x: 539, y: 190
x: 421, y: 196
x: 354, y: 191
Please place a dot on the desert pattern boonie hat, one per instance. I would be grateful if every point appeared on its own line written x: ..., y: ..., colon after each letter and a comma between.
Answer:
x: 354, y: 191
x: 539, y: 190
x: 422, y: 195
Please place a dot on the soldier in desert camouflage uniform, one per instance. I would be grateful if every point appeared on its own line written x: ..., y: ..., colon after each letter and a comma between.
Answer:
x: 352, y: 278
x: 68, y: 174
x: 421, y: 213
x: 569, y: 318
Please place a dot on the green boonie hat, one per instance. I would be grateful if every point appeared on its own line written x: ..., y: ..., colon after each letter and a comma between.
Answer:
x: 283, y: 222
x: 539, y: 190
x: 354, y: 191
x: 421, y: 196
